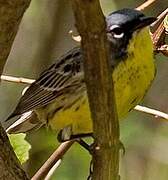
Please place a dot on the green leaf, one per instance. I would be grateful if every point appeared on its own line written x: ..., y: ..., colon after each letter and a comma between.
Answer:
x: 20, y: 146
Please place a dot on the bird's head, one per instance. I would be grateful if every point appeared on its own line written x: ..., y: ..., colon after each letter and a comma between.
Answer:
x: 122, y: 27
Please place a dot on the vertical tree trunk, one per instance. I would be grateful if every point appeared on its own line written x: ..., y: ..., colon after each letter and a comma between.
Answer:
x: 9, y: 165
x: 11, y: 12
x: 91, y: 26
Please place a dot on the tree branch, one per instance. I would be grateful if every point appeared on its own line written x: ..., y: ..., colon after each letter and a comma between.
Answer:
x: 159, y: 29
x: 17, y: 79
x: 11, y: 12
x: 91, y: 26
x: 9, y: 165
x: 156, y: 113
x: 52, y: 160
x: 145, y: 5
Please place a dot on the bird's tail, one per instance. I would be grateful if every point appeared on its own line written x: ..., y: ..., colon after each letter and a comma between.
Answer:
x: 27, y: 122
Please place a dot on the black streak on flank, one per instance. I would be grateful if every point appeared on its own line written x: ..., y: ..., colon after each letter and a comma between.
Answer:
x: 134, y: 100
x: 77, y: 108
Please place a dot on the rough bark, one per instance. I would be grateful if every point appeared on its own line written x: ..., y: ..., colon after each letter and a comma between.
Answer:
x: 91, y: 26
x: 9, y: 165
x: 11, y: 12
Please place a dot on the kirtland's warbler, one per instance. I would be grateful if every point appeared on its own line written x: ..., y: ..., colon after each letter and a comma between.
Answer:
x: 58, y: 97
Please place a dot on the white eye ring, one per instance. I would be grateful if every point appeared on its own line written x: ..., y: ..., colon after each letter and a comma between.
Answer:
x: 117, y: 36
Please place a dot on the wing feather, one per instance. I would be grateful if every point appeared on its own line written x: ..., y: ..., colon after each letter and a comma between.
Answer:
x: 59, y: 78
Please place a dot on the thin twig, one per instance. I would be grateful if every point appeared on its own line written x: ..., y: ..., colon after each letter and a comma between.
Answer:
x: 17, y: 79
x: 163, y: 49
x: 159, y: 18
x: 159, y: 29
x: 145, y: 5
x: 158, y: 37
x: 52, y: 170
x: 154, y: 112
x: 52, y: 160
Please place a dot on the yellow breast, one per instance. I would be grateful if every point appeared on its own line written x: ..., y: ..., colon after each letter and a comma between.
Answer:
x: 133, y: 76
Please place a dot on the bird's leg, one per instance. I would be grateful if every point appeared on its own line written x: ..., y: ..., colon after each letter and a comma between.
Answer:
x: 88, y: 147
x: 66, y: 134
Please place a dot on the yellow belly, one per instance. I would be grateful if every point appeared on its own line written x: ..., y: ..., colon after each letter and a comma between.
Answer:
x: 132, y: 78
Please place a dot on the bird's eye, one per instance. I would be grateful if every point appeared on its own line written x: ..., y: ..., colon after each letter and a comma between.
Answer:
x: 116, y: 31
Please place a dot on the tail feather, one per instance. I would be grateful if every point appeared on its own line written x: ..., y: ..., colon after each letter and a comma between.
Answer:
x: 27, y: 122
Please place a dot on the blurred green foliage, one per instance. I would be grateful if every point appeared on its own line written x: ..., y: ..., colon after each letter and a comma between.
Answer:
x: 42, y: 37
x: 20, y: 146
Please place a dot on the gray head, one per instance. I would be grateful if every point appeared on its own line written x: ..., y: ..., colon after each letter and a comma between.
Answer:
x: 121, y: 25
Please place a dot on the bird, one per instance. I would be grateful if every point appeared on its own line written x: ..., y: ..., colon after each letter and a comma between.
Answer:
x: 58, y: 97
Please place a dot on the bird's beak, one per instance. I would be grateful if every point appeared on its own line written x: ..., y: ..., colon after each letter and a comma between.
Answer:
x: 145, y: 21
